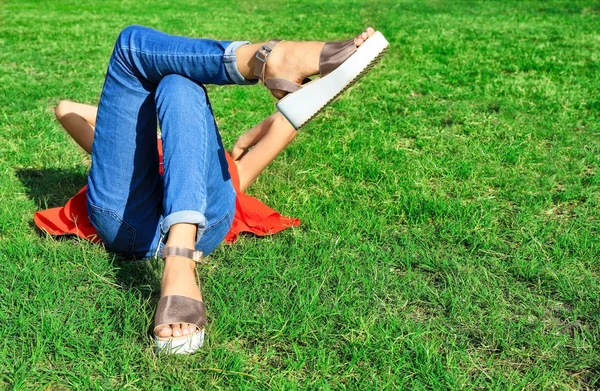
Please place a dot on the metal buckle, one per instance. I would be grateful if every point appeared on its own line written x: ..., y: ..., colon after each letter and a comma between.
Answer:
x: 263, y: 53
x: 197, y: 256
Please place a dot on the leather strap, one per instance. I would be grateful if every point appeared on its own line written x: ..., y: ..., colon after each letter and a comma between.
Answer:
x: 173, y: 251
x: 262, y: 55
x: 281, y: 84
x: 179, y: 309
x: 334, y: 54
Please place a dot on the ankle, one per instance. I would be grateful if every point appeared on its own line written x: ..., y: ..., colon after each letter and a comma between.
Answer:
x: 182, y: 235
x: 177, y: 264
x: 301, y: 58
x: 245, y: 60
x: 179, y: 276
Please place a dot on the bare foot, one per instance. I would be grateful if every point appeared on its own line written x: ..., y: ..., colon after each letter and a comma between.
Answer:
x: 295, y: 61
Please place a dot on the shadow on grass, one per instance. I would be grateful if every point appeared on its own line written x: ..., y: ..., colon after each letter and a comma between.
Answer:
x: 142, y: 274
x: 143, y: 277
x: 51, y: 187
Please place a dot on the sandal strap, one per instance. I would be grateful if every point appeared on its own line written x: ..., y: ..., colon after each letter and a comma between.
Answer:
x: 334, y: 54
x: 282, y: 84
x: 175, y: 309
x: 173, y: 251
x: 262, y: 56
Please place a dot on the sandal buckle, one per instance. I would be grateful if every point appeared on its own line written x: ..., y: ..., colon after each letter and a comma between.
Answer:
x: 197, y: 257
x: 263, y: 53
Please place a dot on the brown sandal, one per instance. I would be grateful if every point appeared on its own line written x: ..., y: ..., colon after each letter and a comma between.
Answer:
x: 175, y: 309
x: 341, y: 64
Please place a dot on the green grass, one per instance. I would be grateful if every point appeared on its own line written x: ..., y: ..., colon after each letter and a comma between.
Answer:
x: 450, y: 207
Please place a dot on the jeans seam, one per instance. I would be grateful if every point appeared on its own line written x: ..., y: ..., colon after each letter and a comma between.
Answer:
x: 145, y: 53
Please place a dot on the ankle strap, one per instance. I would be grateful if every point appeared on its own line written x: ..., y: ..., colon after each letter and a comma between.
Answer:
x: 262, y: 55
x: 172, y: 251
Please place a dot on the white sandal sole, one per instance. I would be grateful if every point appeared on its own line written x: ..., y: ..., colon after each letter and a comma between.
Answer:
x: 301, y: 106
x: 179, y: 345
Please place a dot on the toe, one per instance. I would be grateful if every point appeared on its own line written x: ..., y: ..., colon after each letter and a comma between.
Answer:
x: 176, y: 330
x: 362, y: 37
x: 165, y: 332
x: 186, y: 328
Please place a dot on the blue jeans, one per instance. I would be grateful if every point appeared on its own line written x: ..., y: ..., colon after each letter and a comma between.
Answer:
x: 154, y: 75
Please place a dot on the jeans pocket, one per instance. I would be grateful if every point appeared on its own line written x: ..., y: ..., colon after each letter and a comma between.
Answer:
x: 117, y: 235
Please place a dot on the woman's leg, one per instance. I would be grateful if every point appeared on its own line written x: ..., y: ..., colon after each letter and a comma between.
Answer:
x: 152, y: 54
x: 125, y: 189
x: 197, y: 186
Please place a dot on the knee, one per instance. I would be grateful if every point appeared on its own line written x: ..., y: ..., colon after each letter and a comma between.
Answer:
x: 127, y: 36
x: 180, y: 89
x: 63, y: 108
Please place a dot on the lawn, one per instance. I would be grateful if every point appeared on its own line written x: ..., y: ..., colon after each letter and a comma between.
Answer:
x: 450, y: 207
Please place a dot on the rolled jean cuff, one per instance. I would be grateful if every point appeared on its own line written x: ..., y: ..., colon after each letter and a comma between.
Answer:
x: 231, y: 65
x: 184, y: 216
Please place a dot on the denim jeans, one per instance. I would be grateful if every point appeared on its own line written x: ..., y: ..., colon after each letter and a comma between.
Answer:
x: 152, y: 75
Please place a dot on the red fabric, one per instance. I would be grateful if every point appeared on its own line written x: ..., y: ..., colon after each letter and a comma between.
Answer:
x: 251, y: 215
